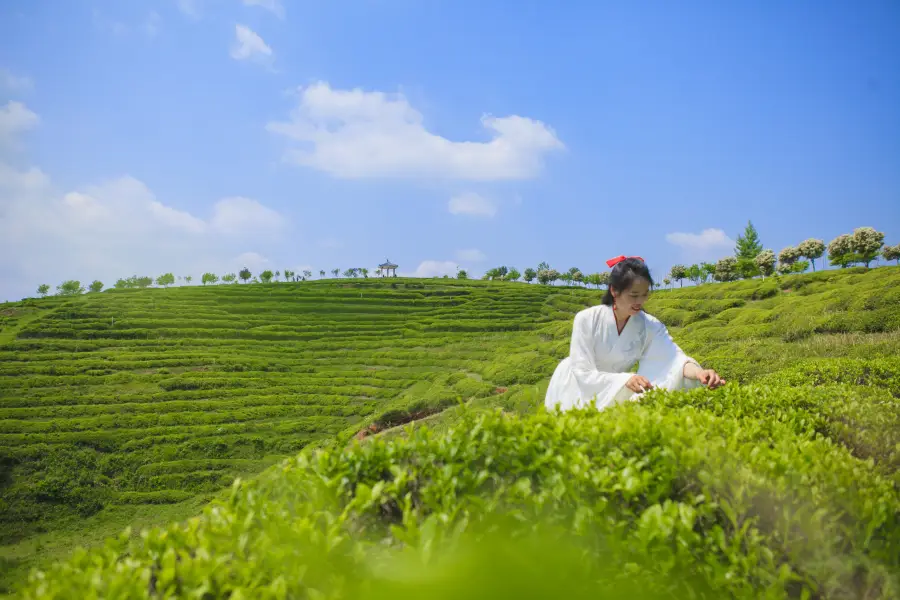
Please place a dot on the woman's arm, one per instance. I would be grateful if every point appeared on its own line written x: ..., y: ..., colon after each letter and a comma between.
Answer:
x: 707, y: 377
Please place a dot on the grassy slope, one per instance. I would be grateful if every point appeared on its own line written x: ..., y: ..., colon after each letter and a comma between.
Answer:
x: 748, y: 330
x: 168, y: 395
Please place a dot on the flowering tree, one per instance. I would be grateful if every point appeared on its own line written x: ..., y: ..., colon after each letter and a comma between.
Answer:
x: 812, y: 249
x: 840, y: 251
x: 726, y: 269
x: 891, y: 253
x: 765, y: 262
x: 866, y: 244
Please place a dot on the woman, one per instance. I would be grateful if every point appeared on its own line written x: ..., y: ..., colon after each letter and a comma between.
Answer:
x: 608, y: 339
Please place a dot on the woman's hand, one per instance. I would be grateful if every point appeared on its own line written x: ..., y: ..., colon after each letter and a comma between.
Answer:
x: 710, y: 378
x: 638, y: 384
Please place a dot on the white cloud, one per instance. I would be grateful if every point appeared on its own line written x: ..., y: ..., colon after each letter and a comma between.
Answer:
x: 248, y: 45
x: 152, y: 24
x: 252, y: 260
x: 11, y: 82
x: 273, y: 6
x: 240, y: 215
x: 472, y: 204
x: 708, y: 239
x: 433, y: 268
x: 114, y: 229
x: 190, y: 8
x: 15, y: 118
x: 357, y: 134
x: 472, y: 255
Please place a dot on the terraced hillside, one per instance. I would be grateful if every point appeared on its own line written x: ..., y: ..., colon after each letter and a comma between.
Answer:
x: 152, y: 397
x: 172, y: 393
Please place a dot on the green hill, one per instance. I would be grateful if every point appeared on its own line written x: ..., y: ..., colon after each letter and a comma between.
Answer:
x: 136, y: 407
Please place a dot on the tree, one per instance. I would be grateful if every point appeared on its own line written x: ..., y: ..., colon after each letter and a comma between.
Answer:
x: 229, y: 278
x: 165, y: 280
x: 765, y: 262
x: 335, y: 272
x: 266, y: 276
x: 604, y: 279
x: 188, y: 279
x: 307, y: 273
x: 72, y: 287
x: 694, y: 273
x: 812, y: 249
x: 513, y: 274
x: 746, y: 249
x: 322, y: 273
x: 245, y: 274
x: 96, y: 286
x: 726, y: 269
x: 530, y: 274
x: 288, y: 275
x: 143, y: 282
x: 786, y: 259
x: 866, y: 244
x: 578, y: 276
x: 891, y: 253
x: 209, y: 278
x: 678, y: 273
x: 840, y: 251
x: 350, y: 273
x: 462, y: 274
x: 707, y: 270
x: 544, y: 266
x: 43, y: 289
x: 667, y: 282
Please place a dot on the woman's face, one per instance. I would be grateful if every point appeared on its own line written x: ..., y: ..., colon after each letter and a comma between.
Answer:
x: 633, y: 298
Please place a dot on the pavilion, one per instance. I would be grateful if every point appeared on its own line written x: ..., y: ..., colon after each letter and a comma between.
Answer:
x: 387, y: 266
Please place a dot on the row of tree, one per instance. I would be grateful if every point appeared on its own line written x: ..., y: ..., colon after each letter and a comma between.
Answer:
x: 750, y: 259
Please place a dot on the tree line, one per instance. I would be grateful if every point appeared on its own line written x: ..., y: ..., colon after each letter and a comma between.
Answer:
x: 750, y: 259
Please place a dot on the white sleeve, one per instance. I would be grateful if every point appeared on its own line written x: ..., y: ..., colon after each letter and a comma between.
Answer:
x: 600, y: 386
x: 663, y: 361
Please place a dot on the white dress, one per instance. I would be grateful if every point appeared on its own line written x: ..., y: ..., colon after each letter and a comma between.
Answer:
x: 599, y: 357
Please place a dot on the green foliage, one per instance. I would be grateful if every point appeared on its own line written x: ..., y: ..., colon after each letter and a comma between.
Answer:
x: 765, y: 262
x: 462, y: 274
x: 866, y: 244
x: 672, y: 499
x: 70, y: 288
x: 165, y: 280
x: 96, y: 286
x: 43, y: 289
x: 530, y: 275
x: 209, y: 278
x: 245, y: 274
x: 840, y: 251
x: 746, y: 249
x: 891, y: 253
x: 678, y: 273
x: 266, y: 276
x: 812, y: 249
x: 783, y: 481
x: 726, y: 269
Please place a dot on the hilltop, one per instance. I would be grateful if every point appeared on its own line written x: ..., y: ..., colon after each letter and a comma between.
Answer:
x: 172, y: 393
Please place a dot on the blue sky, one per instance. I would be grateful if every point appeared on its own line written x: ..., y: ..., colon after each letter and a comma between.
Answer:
x: 150, y: 136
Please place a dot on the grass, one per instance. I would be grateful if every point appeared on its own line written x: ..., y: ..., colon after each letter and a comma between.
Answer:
x: 136, y: 406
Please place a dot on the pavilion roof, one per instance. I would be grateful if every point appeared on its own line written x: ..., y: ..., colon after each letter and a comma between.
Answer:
x: 387, y: 265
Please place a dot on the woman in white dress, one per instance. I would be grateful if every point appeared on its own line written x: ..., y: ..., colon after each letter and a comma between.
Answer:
x: 607, y: 340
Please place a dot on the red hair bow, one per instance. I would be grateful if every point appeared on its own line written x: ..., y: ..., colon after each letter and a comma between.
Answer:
x: 614, y: 261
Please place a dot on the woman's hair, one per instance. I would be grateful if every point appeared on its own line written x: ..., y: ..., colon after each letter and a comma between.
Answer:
x: 623, y: 275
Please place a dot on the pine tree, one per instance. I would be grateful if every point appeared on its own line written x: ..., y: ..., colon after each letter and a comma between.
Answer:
x: 746, y: 250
